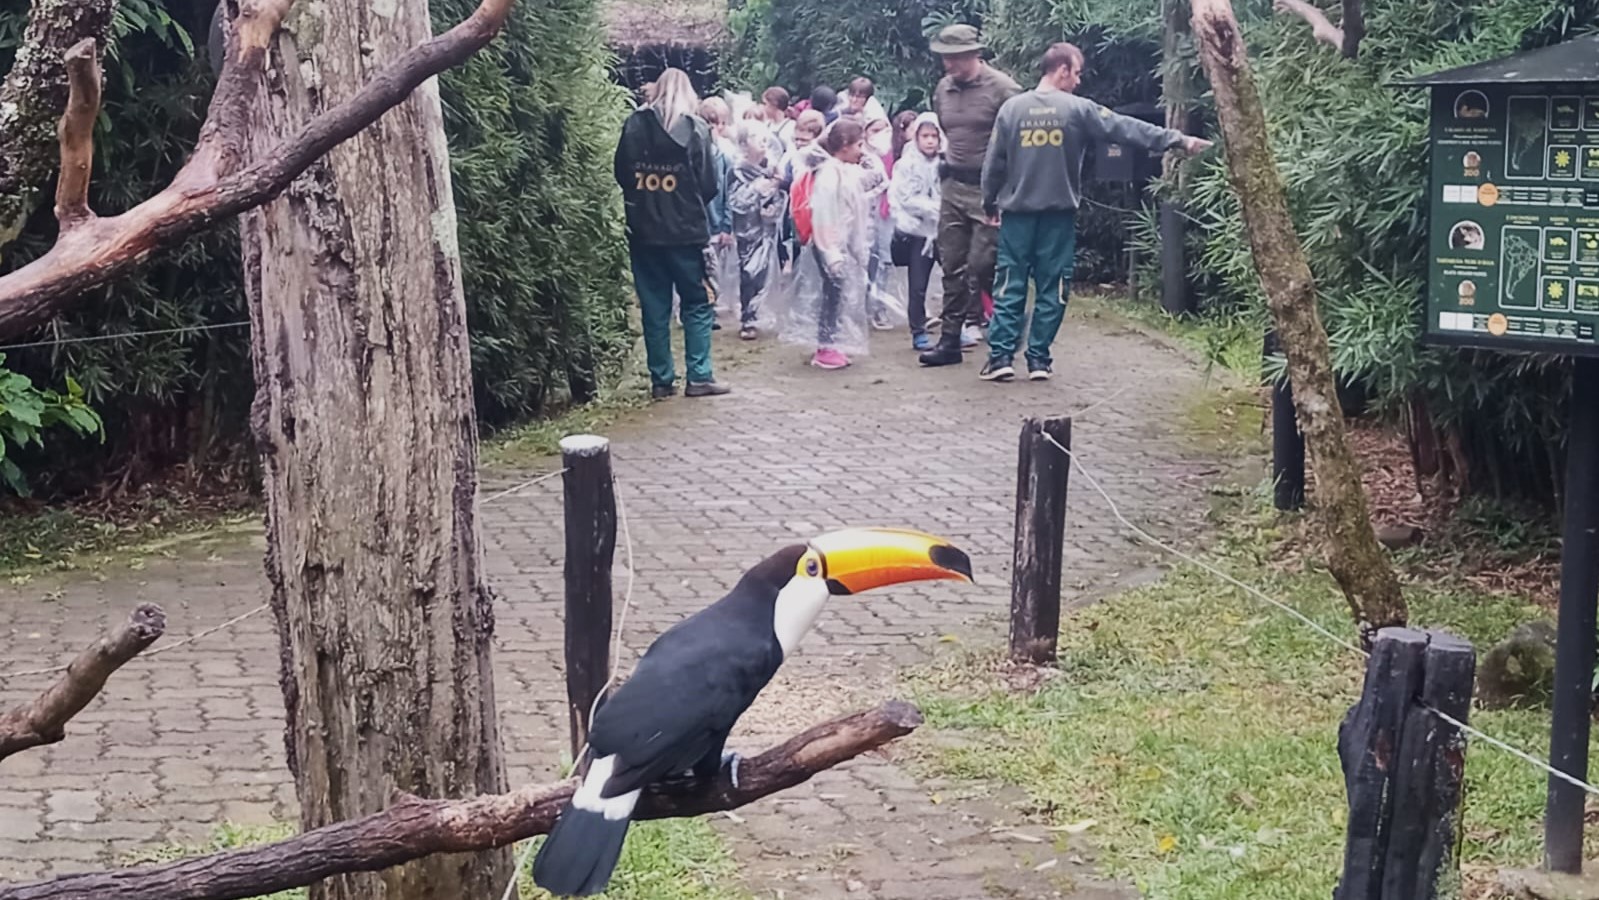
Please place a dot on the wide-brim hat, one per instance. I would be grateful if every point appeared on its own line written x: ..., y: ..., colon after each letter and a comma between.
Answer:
x: 953, y: 39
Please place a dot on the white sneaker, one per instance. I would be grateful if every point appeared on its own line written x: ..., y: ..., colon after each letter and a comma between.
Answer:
x: 971, y: 336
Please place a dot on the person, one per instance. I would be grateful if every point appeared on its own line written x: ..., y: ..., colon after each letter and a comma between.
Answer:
x: 839, y: 242
x: 757, y: 204
x: 774, y: 106
x: 665, y: 166
x: 914, y: 198
x: 825, y: 101
x: 717, y: 116
x: 861, y: 98
x: 878, y: 161
x: 1032, y: 180
x: 967, y: 101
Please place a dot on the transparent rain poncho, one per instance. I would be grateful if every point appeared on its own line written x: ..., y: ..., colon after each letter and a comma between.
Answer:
x: 826, y: 305
x: 749, y: 271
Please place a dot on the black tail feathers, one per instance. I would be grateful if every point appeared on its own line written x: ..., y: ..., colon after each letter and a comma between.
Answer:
x: 579, y: 855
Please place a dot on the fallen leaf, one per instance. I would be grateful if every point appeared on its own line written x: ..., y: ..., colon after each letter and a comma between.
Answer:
x: 948, y: 639
x: 1166, y: 844
x: 1076, y: 827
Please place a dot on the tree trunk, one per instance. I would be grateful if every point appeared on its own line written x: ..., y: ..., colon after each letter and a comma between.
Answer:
x: 1354, y: 557
x: 368, y: 441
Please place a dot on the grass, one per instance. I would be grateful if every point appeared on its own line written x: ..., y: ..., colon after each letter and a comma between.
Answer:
x: 668, y: 859
x: 1232, y: 343
x: 34, y: 540
x: 1197, y: 728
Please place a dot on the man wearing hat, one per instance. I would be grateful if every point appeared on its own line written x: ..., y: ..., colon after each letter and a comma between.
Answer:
x: 967, y: 102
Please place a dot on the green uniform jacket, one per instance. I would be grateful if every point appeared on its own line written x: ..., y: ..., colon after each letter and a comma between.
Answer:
x: 667, y: 180
x: 1035, y: 161
x: 966, y: 111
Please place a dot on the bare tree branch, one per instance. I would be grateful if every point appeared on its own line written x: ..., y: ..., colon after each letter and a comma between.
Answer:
x: 33, y: 95
x: 1321, y: 27
x: 1357, y: 562
x: 77, y: 135
x: 414, y: 827
x: 215, y: 184
x: 44, y: 720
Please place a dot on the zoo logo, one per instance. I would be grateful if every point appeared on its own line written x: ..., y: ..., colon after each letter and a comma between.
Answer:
x: 1043, y: 137
x: 653, y: 182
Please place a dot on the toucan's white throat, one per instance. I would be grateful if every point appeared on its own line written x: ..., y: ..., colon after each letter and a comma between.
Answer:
x: 798, y: 605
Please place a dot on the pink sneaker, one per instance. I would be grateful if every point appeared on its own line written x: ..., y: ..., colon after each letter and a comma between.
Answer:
x: 829, y: 358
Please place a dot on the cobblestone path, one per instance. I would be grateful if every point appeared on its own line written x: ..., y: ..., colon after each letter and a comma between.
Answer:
x: 191, y: 738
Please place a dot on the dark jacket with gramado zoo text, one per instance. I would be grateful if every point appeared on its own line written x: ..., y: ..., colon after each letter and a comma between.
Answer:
x: 667, y: 179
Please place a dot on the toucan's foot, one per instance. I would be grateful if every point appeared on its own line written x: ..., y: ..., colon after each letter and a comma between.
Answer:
x: 730, y: 761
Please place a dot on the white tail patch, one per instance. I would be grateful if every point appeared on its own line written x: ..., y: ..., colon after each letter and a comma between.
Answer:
x: 588, y: 796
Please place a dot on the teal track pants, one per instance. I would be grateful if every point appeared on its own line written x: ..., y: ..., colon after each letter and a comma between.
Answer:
x: 1034, y: 249
x: 657, y: 271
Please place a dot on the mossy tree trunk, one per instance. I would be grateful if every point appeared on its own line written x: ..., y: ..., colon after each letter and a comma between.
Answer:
x: 1354, y: 557
x: 368, y: 441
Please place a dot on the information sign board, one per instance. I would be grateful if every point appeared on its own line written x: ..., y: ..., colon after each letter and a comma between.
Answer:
x: 1514, y: 199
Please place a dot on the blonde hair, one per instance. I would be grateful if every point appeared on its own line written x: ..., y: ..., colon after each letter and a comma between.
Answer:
x: 715, y: 111
x: 811, y: 122
x: 674, y: 97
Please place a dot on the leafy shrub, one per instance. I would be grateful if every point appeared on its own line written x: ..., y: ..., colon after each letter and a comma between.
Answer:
x: 27, y: 412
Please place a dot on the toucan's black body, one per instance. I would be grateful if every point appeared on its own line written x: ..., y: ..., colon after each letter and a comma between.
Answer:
x: 692, y: 685
x: 673, y: 715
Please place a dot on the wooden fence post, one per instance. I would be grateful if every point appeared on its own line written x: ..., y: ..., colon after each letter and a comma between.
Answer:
x: 1404, y: 767
x: 1041, y: 476
x: 590, y: 515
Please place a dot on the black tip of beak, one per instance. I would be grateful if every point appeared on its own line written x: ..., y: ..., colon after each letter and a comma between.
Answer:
x: 953, y: 559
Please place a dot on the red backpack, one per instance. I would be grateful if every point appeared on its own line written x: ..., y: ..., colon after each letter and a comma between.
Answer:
x: 800, y: 205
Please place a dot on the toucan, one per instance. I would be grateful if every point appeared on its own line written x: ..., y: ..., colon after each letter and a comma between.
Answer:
x: 671, y: 719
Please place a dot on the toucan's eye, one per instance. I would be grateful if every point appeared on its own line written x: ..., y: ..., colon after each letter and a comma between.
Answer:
x: 812, y: 567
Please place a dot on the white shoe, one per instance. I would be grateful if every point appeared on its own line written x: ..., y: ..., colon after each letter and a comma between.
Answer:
x: 971, y: 336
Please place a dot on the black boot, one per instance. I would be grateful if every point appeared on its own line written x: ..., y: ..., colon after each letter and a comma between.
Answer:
x: 947, y: 352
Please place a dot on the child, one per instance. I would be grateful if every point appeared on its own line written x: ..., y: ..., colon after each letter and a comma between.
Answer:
x: 839, y: 243
x: 756, y: 203
x: 878, y: 161
x: 915, y: 199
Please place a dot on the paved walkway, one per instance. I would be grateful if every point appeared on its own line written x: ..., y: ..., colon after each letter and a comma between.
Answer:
x: 191, y: 738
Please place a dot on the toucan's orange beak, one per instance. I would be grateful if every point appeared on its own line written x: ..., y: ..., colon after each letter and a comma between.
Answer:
x: 860, y: 559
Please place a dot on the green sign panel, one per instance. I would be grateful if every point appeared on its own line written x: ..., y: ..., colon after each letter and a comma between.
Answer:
x: 1515, y: 217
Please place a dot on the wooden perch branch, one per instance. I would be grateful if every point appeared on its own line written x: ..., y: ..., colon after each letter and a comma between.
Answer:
x: 76, y: 134
x: 414, y: 828
x: 44, y: 720
x: 216, y: 184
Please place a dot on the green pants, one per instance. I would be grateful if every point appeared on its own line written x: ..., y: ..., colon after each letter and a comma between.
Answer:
x: 656, y: 272
x: 966, y: 251
x: 1040, y: 248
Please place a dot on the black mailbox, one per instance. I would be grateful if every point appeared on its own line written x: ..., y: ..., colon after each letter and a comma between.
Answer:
x: 1128, y: 165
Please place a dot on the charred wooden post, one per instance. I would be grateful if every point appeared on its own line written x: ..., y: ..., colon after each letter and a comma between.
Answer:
x: 1041, y: 477
x: 590, y: 498
x: 1404, y: 767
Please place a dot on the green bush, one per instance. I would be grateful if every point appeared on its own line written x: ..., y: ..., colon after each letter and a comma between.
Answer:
x: 26, y: 413
x: 531, y: 122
